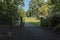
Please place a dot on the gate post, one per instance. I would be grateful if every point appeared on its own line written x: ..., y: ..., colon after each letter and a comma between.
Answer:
x: 21, y: 24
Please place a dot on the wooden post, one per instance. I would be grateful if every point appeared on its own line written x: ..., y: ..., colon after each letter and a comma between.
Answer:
x: 21, y: 21
x: 41, y: 19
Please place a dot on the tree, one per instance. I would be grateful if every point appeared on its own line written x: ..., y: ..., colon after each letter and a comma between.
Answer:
x: 56, y: 3
x: 38, y: 7
x: 21, y: 12
x: 34, y: 5
x: 22, y: 15
x: 45, y: 9
x: 56, y: 11
x: 52, y: 21
x: 9, y: 9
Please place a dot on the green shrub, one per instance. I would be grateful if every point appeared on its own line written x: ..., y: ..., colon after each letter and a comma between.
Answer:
x: 56, y: 28
x: 55, y: 20
x: 46, y: 22
x: 51, y: 21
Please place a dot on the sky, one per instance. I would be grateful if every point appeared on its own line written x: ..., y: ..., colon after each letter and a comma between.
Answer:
x: 26, y: 2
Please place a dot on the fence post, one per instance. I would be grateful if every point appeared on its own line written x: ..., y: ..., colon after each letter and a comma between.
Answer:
x: 21, y: 22
x: 41, y: 19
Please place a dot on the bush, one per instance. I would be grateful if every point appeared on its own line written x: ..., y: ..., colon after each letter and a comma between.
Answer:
x: 56, y: 28
x: 51, y: 21
x: 46, y: 22
x: 55, y: 20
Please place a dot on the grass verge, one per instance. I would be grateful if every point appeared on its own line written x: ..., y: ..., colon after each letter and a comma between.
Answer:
x: 32, y: 20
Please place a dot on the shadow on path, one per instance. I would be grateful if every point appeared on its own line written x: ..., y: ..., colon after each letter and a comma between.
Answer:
x: 30, y: 32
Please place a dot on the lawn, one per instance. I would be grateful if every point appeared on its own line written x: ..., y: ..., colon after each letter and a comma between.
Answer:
x: 32, y: 20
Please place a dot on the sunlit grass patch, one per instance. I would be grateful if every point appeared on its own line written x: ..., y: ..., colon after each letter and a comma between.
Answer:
x: 32, y: 20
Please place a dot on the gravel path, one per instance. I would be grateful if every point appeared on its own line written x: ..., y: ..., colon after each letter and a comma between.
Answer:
x: 30, y: 32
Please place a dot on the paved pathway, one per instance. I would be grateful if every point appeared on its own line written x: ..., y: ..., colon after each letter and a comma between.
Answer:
x: 41, y: 33
x: 31, y: 32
